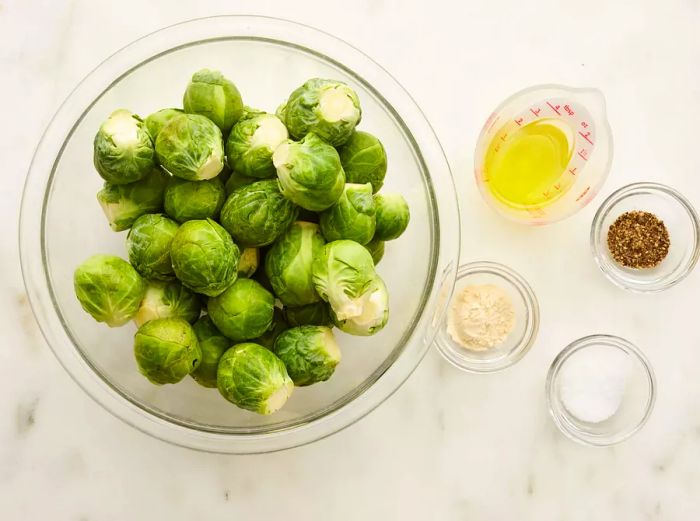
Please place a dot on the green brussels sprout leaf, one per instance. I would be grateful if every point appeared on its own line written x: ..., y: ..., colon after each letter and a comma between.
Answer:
x: 244, y: 311
x: 188, y: 200
x: 392, y: 216
x: 204, y: 257
x: 123, y: 150
x: 352, y: 217
x: 211, y: 95
x: 328, y: 108
x: 310, y: 173
x: 310, y: 353
x: 166, y: 350
x: 148, y: 244
x: 251, y: 143
x: 253, y: 378
x: 191, y: 147
x: 364, y: 160
x: 109, y: 289
x: 256, y: 214
x: 168, y: 300
x: 289, y: 261
x: 123, y: 204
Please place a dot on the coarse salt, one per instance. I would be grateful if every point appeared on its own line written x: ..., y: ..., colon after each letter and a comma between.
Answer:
x: 592, y: 382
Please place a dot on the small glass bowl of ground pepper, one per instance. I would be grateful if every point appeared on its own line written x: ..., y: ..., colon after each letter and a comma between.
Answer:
x: 646, y: 237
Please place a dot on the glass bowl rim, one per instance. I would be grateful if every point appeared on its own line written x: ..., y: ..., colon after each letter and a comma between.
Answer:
x: 631, y: 190
x: 422, y: 139
x: 522, y: 347
x: 565, y: 354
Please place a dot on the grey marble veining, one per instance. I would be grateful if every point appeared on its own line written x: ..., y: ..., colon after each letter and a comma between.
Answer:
x: 446, y: 446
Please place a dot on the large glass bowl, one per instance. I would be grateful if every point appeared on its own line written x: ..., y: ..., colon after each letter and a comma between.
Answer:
x: 62, y: 224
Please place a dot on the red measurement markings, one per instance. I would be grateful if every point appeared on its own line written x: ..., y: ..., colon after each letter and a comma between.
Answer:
x: 569, y: 110
x: 588, y: 188
x: 555, y: 109
x: 586, y: 136
x: 572, y: 171
x: 584, y: 124
x: 536, y: 111
x: 519, y: 121
x: 583, y: 154
x: 504, y: 136
x: 557, y: 187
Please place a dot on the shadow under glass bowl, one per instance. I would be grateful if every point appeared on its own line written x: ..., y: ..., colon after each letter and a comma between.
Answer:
x: 62, y: 224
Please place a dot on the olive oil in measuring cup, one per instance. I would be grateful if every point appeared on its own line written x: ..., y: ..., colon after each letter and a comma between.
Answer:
x: 544, y: 153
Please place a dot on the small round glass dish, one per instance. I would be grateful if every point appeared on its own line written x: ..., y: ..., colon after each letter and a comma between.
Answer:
x: 680, y: 219
x: 636, y: 400
x: 520, y: 339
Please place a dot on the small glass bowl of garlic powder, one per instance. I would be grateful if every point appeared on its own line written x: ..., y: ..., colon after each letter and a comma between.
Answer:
x: 491, y: 321
x: 600, y: 390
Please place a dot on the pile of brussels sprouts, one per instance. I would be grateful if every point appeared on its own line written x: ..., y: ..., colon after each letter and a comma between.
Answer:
x: 269, y: 223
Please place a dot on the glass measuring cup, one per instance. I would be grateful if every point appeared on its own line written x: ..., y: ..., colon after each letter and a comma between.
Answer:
x: 579, y: 115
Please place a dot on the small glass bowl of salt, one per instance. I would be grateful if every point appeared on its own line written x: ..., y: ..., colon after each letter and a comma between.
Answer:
x: 600, y: 390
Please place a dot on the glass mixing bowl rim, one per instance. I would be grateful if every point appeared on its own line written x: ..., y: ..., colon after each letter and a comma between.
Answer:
x: 609, y: 269
x: 522, y: 347
x: 434, y: 278
x: 565, y: 426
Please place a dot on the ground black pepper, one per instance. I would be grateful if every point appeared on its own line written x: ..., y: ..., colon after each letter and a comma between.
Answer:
x: 638, y: 240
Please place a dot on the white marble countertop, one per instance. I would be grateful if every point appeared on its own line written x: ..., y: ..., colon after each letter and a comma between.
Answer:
x: 446, y: 445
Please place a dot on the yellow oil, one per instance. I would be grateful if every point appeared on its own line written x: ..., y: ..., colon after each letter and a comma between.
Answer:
x: 525, y: 167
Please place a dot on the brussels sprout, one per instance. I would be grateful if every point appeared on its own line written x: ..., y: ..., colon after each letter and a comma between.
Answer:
x: 166, y: 350
x: 204, y: 257
x: 279, y: 324
x: 374, y: 315
x: 213, y: 344
x: 109, y: 289
x: 248, y: 264
x: 288, y: 264
x: 316, y: 314
x: 392, y: 216
x: 188, y: 200
x: 309, y: 172
x: 156, y: 121
x: 251, y: 143
x: 168, y: 300
x: 352, y: 217
x: 210, y: 94
x: 191, y: 147
x: 123, y: 150
x: 256, y: 214
x: 253, y: 378
x: 310, y: 353
x: 328, y: 108
x: 376, y: 248
x: 364, y: 159
x: 344, y: 275
x: 148, y: 245
x: 244, y: 311
x: 237, y: 180
x: 123, y: 204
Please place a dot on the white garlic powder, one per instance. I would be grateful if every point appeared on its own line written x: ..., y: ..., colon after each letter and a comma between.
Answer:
x: 481, y: 317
